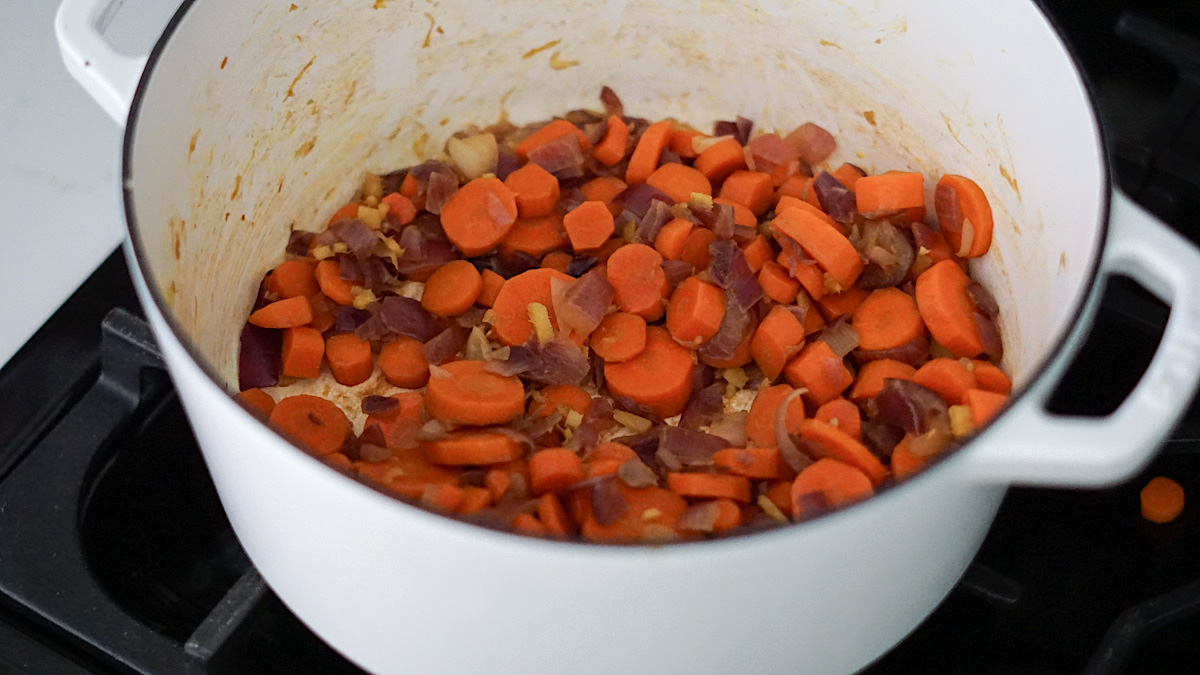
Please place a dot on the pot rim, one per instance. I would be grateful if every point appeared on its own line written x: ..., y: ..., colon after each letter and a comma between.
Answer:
x: 136, y: 250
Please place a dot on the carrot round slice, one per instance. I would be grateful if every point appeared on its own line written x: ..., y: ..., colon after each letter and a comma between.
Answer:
x: 292, y: 278
x: 947, y: 309
x: 711, y: 485
x: 512, y: 325
x: 466, y: 393
x: 349, y: 358
x: 778, y: 337
x: 823, y: 243
x: 554, y: 469
x: 479, y: 215
x: 760, y: 422
x: 836, y: 481
x: 535, y: 189
x: 651, y: 511
x: 870, y: 378
x: 887, y: 318
x: 949, y: 378
x: 659, y: 378
x: 452, y: 289
x: 257, y: 400
x: 841, y: 446
x: 695, y: 311
x: 842, y: 414
x: 619, y: 337
x: 819, y: 370
x: 639, y: 283
x: 314, y: 422
x: 964, y: 215
x: 403, y: 363
x: 560, y: 398
x: 679, y: 181
x: 472, y: 448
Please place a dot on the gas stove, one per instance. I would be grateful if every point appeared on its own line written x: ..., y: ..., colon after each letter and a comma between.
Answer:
x: 115, y: 555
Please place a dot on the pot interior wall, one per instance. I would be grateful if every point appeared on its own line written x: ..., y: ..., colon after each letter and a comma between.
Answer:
x: 261, y: 117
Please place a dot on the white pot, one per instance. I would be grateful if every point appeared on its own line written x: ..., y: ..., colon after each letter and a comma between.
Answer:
x: 252, y: 116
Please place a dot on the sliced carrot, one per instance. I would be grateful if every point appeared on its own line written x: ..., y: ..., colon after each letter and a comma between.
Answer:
x: 466, y: 393
x: 780, y: 494
x: 323, y: 312
x: 339, y: 460
x: 349, y: 358
x: 472, y: 448
x: 560, y: 398
x: 793, y: 186
x: 658, y: 379
x: 821, y: 242
x: 942, y: 299
x: 695, y: 248
x: 788, y: 202
x: 619, y: 337
x: 848, y: 174
x: 311, y: 421
x: 400, y: 425
x: 760, y: 422
x: 711, y: 485
x: 535, y: 190
x: 534, y: 236
x: 949, y: 378
x: 492, y: 283
x: 286, y: 313
x: 611, y: 148
x: 554, y: 469
x: 813, y: 321
x: 810, y: 195
x: 557, y: 261
x: 604, y: 189
x: 758, y: 251
x: 528, y: 524
x: 1162, y: 500
x: 837, y: 482
x: 964, y: 215
x: 400, y: 208
x: 820, y: 371
x: 843, y: 447
x: 778, y: 338
x: 935, y: 250
x: 588, y: 225
x: 497, y: 482
x: 606, y: 458
x: 752, y: 189
x: 348, y: 211
x: 741, y: 215
x: 842, y: 414
x: 889, y: 193
x: 681, y: 142
x: 721, y: 159
x: 479, y: 215
x: 403, y: 363
x: 452, y: 289
x: 673, y: 237
x: 904, y: 463
x: 511, y: 307
x: 695, y: 311
x: 303, y: 351
x: 639, y: 283
x: 409, y: 187
x: 553, y: 516
x: 257, y: 400
x: 293, y: 278
x: 332, y: 285
x: 644, y: 159
x: 475, y: 499
x: 442, y: 497
x: 990, y: 378
x: 551, y: 131
x: 984, y: 405
x: 887, y: 318
x: 762, y: 462
x: 777, y: 284
x: 810, y: 277
x: 651, y: 511
x: 835, y: 305
x: 679, y: 181
x: 729, y: 515
x: 871, y: 377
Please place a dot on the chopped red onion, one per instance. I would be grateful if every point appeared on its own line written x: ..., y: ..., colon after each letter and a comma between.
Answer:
x: 880, y: 437
x: 393, y: 180
x: 983, y: 299
x: 667, y: 459
x: 370, y: 452
x: 645, y: 444
x: 326, y: 237
x: 744, y: 234
x: 989, y: 335
x: 676, y: 271
x: 700, y: 517
x: 657, y: 215
x: 888, y: 254
x: 739, y: 129
x: 347, y: 319
x: 373, y: 433
x: 405, y: 316
x: 356, y: 235
x: 373, y: 329
x: 570, y: 199
x: 788, y: 451
x: 702, y: 375
x: 579, y: 305
x: 693, y: 448
x: 597, y: 371
x: 445, y: 345
x: 723, y: 345
x: 348, y: 269
x: 561, y: 154
x: 635, y: 473
x: 441, y: 188
x: 637, y: 197
x: 470, y: 318
x: 704, y: 405
x: 629, y: 405
x: 913, y: 353
x: 373, y: 404
x: 812, y: 504
x: 813, y: 143
x: 731, y: 427
x: 299, y: 241
x: 911, y: 407
x: 557, y: 362
x: 730, y: 271
x: 768, y: 151
x: 260, y: 352
x: 841, y: 337
x: 719, y: 218
x: 434, y: 254
x: 580, y: 265
x: 836, y: 199
x: 611, y: 102
x: 608, y: 504
x: 793, y: 253
x: 594, y: 131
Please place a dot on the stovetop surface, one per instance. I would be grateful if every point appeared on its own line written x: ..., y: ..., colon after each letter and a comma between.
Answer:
x: 107, y: 567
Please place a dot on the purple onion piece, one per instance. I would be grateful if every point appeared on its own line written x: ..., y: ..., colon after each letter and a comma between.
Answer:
x: 445, y: 345
x: 348, y: 269
x: 373, y: 329
x: 611, y: 102
x: 887, y: 252
x: 669, y: 156
x: 910, y: 406
x: 393, y: 180
x: 723, y: 345
x: 984, y: 301
x: 440, y: 189
x: 692, y: 448
x: 913, y: 353
x: 357, y: 236
x: 580, y: 305
x: 435, y: 253
x: 841, y: 337
x: 989, y: 335
x: 657, y: 215
x: 880, y: 437
x: 702, y: 376
x: 557, y: 362
x: 788, y: 450
x: 347, y: 319
x: 644, y: 444
x: 405, y: 316
x: 299, y: 241
x: 570, y: 199
x: 812, y: 504
x: 635, y: 473
x: 506, y: 163
x: 704, y: 405
x: 837, y: 200
x: 260, y: 352
x: 561, y: 154
x: 377, y: 405
x: 676, y: 271
x: 580, y: 265
x: 730, y: 271
x: 701, y: 517
x: 637, y: 197
x: 608, y: 504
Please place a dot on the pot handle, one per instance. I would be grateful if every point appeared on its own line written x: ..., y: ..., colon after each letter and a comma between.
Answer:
x: 1028, y: 445
x: 111, y: 78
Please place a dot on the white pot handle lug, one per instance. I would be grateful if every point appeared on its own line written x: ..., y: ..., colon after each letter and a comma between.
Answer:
x: 109, y: 77
x: 1030, y: 446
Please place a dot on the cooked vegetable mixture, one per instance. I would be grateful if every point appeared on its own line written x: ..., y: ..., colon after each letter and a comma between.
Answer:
x: 624, y: 330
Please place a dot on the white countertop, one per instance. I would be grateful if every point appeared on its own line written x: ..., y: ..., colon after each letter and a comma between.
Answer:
x: 60, y: 211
